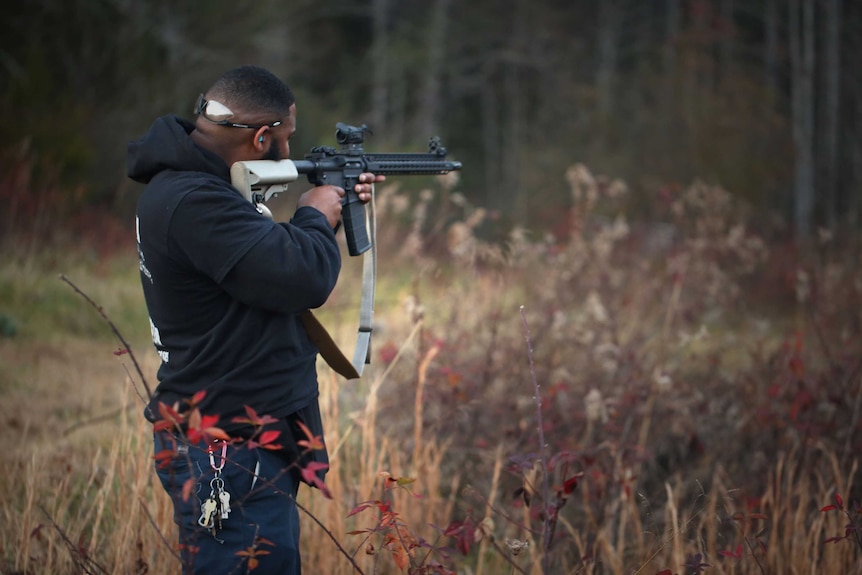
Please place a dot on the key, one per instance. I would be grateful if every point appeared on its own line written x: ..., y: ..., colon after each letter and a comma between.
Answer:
x: 208, y: 510
x: 224, y: 503
x: 218, y: 490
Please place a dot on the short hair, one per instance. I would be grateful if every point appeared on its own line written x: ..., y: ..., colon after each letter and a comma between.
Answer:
x: 253, y: 88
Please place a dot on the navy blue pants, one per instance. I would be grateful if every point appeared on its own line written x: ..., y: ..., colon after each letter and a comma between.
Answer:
x: 263, y: 525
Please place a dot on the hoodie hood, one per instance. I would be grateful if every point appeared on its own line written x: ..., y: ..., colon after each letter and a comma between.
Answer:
x: 167, y: 146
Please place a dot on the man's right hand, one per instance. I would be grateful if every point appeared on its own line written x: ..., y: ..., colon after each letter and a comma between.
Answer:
x: 326, y: 199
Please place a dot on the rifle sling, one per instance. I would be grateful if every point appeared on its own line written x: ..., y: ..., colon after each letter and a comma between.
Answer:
x: 329, y: 350
x: 362, y: 353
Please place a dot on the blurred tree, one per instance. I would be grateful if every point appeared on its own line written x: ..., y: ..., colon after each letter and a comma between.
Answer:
x: 656, y: 93
x: 380, y: 65
x: 429, y: 107
x: 607, y: 32
x: 802, y: 61
x: 831, y: 117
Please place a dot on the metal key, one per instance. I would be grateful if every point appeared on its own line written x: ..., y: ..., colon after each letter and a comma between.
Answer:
x: 224, y: 503
x: 208, y: 511
x: 219, y: 492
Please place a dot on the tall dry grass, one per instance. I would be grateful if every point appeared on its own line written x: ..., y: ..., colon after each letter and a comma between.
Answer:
x: 100, y: 512
x: 86, y: 508
x: 702, y: 389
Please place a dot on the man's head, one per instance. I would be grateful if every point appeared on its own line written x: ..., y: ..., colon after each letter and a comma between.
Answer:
x: 247, y: 114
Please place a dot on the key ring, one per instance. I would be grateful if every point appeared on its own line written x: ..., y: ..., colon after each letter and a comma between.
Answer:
x: 216, y: 485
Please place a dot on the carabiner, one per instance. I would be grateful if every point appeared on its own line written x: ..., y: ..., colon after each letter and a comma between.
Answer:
x: 211, y: 453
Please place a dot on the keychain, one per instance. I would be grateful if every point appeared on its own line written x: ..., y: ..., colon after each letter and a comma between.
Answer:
x: 216, y: 507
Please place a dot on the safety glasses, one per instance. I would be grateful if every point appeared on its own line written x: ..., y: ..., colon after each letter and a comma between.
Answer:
x: 218, y: 113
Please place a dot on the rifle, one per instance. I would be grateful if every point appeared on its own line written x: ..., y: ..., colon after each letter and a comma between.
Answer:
x: 259, y: 180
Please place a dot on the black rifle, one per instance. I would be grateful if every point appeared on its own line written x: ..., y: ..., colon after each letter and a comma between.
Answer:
x: 259, y: 180
x: 342, y: 167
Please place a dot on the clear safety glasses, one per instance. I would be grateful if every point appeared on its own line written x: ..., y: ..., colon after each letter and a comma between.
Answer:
x: 218, y: 113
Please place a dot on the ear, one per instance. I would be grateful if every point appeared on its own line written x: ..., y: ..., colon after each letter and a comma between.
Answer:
x: 259, y: 142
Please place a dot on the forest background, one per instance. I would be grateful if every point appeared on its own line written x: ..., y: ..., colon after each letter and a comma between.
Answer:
x: 672, y: 189
x: 758, y: 96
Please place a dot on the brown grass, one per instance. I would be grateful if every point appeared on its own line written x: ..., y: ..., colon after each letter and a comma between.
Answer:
x: 700, y: 421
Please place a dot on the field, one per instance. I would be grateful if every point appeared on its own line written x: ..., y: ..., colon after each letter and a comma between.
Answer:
x: 668, y: 399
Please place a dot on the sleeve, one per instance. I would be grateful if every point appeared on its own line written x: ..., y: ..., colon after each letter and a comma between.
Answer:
x: 293, y: 267
x: 214, y: 228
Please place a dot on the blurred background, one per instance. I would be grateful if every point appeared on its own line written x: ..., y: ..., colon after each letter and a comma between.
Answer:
x: 758, y: 96
x: 672, y: 190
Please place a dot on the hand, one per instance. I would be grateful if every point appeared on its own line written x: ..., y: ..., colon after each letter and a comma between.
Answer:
x: 326, y: 199
x: 366, y: 185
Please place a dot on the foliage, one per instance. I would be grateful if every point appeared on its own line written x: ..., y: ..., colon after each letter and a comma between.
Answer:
x: 698, y: 392
x: 658, y: 358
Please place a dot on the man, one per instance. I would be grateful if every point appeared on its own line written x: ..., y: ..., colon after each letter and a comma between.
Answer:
x: 225, y: 288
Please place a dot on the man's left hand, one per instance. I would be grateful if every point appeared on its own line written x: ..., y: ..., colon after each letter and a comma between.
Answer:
x: 366, y: 185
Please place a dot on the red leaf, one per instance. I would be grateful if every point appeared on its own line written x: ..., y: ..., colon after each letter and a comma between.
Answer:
x: 665, y: 572
x: 208, y: 421
x: 163, y: 458
x: 187, y: 488
x: 734, y: 554
x: 251, y: 413
x: 198, y: 397
x: 571, y: 483
x: 361, y: 507
x: 163, y: 425
x: 195, y: 419
x: 309, y: 474
x: 400, y: 556
x: 828, y: 508
x: 464, y: 534
x: 207, y: 435
x: 169, y: 413
x: 253, y: 418
x: 211, y: 433
x: 839, y: 501
x: 268, y: 437
x: 195, y: 436
x: 313, y: 442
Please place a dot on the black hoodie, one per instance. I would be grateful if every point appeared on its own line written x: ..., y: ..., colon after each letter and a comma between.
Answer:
x: 224, y: 285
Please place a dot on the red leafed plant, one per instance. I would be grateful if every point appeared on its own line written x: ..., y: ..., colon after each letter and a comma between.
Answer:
x: 190, y: 421
x: 752, y: 527
x: 853, y: 529
x: 396, y: 536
